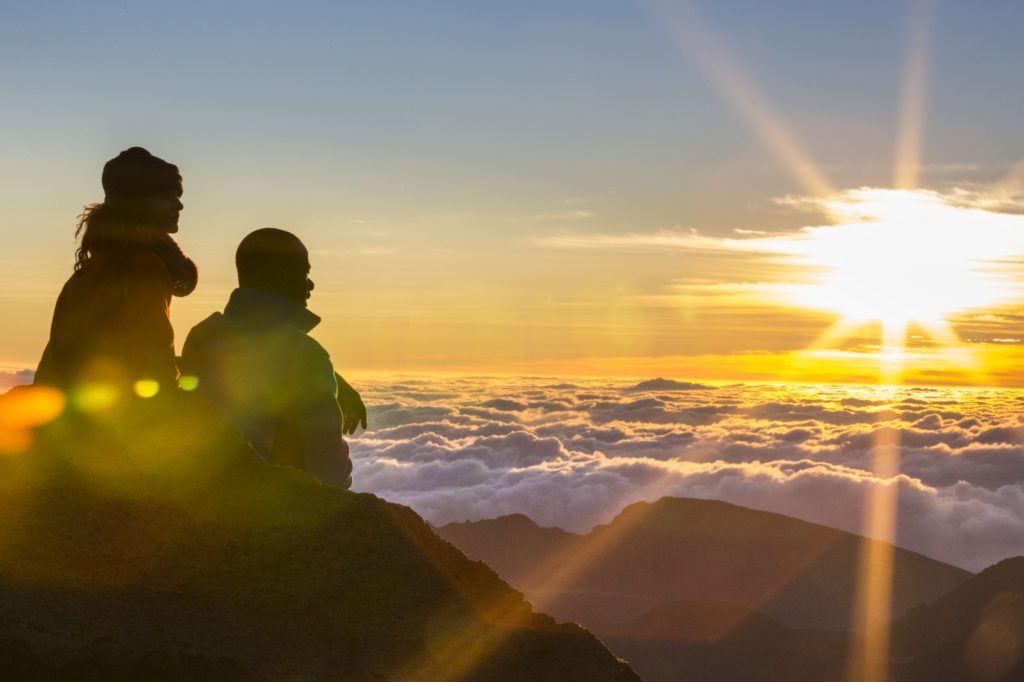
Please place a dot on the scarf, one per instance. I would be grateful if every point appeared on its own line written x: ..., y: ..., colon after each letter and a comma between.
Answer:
x: 184, y: 273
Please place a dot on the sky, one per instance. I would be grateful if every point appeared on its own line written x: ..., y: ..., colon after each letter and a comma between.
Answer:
x: 631, y: 188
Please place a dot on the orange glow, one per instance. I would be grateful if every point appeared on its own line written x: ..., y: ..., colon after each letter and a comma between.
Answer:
x: 966, y: 365
x: 22, y: 410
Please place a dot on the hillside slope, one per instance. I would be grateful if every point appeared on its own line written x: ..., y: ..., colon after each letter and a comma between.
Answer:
x: 154, y: 544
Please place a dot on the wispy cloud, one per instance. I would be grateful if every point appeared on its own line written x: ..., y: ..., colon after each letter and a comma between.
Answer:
x: 576, y: 214
x: 677, y: 239
x: 958, y: 215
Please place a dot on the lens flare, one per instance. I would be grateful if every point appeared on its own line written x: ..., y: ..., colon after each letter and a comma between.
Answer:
x: 94, y: 397
x: 146, y: 388
x: 23, y: 409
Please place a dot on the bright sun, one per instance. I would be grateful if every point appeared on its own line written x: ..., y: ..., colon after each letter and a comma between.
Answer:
x: 900, y: 257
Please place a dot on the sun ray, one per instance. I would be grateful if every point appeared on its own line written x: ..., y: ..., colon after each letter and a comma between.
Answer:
x: 841, y: 329
x: 1011, y: 183
x: 869, y: 656
x: 549, y: 579
x: 698, y: 38
x: 552, y: 575
x: 912, y: 101
x: 958, y: 352
x: 894, y: 336
x: 873, y: 278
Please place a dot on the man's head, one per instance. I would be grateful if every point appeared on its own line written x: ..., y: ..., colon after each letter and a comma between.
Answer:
x: 139, y: 182
x: 276, y: 261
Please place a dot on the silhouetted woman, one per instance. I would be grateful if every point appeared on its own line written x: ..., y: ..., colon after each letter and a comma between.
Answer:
x: 111, y: 324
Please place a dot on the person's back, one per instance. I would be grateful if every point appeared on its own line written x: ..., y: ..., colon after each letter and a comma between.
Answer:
x: 256, y: 364
x: 111, y: 318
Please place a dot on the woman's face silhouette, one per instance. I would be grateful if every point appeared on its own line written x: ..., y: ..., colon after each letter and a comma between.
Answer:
x: 166, y: 209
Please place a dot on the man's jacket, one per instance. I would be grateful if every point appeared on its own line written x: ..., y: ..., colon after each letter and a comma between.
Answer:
x: 256, y: 363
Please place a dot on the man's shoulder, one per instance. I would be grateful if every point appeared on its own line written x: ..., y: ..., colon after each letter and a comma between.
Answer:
x: 285, y: 342
x: 214, y: 320
x: 211, y: 325
x: 203, y: 333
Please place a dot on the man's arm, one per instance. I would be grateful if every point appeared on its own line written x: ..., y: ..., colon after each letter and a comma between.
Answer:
x: 353, y: 411
x: 326, y: 452
x: 319, y: 423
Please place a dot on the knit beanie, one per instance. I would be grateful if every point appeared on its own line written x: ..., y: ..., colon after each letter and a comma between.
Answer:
x: 135, y: 174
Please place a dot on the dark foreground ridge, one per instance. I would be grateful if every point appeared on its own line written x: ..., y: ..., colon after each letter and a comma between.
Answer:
x: 156, y: 545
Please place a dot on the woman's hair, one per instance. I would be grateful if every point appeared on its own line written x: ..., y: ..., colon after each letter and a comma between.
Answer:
x: 125, y: 216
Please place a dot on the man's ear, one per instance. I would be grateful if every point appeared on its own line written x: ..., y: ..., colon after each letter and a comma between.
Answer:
x: 278, y: 278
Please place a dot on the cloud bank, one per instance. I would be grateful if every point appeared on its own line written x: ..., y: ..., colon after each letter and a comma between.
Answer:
x: 12, y: 379
x: 574, y: 454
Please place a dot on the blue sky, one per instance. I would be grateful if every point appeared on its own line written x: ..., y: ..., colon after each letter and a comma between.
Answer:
x: 420, y: 106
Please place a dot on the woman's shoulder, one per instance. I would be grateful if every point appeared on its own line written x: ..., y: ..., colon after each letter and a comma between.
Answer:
x: 140, y: 266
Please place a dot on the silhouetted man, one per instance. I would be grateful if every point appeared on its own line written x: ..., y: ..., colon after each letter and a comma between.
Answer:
x: 256, y: 363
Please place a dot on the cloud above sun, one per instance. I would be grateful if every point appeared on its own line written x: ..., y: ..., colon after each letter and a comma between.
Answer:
x: 574, y: 454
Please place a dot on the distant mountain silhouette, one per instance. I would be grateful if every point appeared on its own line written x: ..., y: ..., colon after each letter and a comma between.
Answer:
x: 154, y: 544
x: 661, y: 384
x: 976, y: 632
x: 801, y: 574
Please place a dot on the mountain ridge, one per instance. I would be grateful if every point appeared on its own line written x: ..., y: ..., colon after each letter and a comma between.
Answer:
x: 798, y: 572
x: 950, y: 625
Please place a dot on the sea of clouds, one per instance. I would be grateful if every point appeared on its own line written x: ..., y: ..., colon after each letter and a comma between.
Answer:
x: 573, y: 454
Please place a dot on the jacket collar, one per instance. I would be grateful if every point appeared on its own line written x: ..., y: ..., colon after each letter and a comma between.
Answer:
x: 263, y: 307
